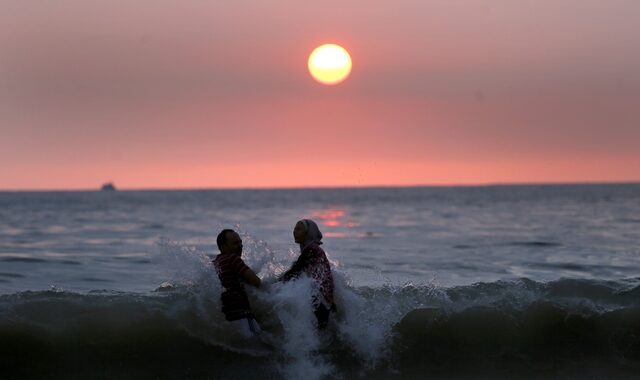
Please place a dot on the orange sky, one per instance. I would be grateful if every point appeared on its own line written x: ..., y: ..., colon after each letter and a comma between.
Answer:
x: 217, y: 94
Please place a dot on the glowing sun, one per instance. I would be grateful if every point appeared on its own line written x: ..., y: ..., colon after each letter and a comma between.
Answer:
x: 329, y: 64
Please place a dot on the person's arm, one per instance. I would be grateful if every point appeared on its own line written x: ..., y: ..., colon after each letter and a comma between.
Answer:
x: 297, y: 268
x: 250, y: 278
x: 244, y: 272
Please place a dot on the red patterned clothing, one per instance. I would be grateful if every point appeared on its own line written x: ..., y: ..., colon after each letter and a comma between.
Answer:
x: 230, y: 268
x: 314, y: 263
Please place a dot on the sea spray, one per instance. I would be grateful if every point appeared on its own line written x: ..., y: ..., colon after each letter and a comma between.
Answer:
x: 182, y: 332
x: 300, y: 344
x: 185, y: 265
x: 412, y: 329
x: 191, y: 278
x: 363, y: 325
x: 284, y: 310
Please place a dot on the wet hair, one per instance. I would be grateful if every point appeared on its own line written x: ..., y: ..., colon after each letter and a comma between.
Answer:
x: 222, y: 237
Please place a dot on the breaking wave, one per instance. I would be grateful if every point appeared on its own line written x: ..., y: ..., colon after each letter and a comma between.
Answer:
x: 567, y: 328
x: 506, y: 327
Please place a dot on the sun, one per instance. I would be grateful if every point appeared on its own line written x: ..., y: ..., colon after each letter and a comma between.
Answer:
x: 329, y: 64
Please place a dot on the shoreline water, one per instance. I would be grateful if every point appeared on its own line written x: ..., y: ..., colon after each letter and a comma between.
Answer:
x: 523, y: 329
x: 493, y: 282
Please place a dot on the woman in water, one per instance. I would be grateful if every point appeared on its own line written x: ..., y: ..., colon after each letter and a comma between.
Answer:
x: 314, y: 263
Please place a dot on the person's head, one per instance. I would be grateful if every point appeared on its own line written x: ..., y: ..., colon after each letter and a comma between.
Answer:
x: 229, y: 242
x: 306, y: 231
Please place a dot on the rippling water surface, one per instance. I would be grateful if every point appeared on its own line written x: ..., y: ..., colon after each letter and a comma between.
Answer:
x: 450, y: 236
x: 468, y: 282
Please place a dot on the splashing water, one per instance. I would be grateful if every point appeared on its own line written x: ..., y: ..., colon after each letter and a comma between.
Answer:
x: 284, y: 311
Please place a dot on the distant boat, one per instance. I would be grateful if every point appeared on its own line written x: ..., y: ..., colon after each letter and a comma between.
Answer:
x: 108, y: 187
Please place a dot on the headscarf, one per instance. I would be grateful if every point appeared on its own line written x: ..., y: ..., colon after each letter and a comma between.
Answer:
x: 313, y: 234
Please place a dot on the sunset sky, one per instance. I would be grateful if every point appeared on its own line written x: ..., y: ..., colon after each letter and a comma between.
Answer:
x: 216, y: 94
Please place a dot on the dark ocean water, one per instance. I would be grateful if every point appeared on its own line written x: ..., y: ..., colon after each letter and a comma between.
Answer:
x: 468, y: 282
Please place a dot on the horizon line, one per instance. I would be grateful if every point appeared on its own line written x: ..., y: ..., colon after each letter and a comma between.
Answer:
x: 328, y: 187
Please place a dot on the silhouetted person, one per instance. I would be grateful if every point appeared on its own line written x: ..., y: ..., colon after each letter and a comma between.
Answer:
x: 233, y: 273
x: 314, y: 263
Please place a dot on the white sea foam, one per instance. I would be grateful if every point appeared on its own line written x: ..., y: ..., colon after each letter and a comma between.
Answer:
x: 285, y: 309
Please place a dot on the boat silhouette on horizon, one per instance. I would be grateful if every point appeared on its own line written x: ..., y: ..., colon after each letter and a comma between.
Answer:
x: 108, y: 187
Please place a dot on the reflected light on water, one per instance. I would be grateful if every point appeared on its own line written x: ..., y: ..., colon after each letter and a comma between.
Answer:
x: 336, y: 234
x: 333, y: 217
x: 336, y: 219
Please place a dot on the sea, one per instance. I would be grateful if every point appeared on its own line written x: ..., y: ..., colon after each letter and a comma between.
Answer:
x: 477, y: 282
